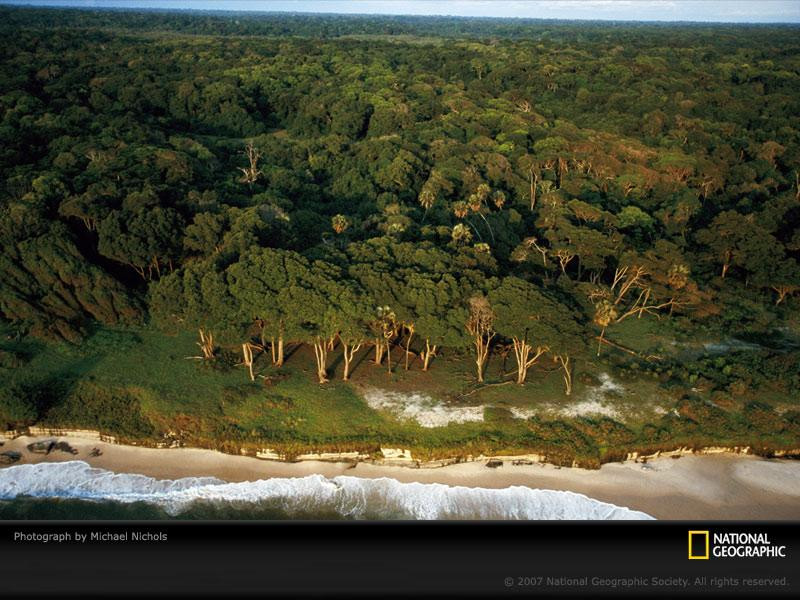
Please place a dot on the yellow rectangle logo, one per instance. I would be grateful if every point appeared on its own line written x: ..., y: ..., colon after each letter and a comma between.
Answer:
x: 698, y: 534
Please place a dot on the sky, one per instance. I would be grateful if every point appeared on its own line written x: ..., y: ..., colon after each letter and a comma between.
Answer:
x: 735, y: 11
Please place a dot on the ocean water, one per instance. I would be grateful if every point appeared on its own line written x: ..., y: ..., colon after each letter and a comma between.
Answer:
x: 76, y: 490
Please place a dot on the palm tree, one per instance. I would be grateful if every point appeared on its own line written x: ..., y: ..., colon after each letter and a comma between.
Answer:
x: 460, y: 209
x: 461, y: 233
x: 499, y: 199
x: 427, y: 198
x: 604, y: 315
x: 340, y: 223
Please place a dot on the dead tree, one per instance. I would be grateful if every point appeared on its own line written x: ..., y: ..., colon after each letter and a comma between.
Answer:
x: 251, y: 173
x: 206, y: 344
x: 427, y: 354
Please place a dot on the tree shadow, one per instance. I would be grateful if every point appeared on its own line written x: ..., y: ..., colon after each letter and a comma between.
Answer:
x: 365, y: 352
x: 288, y: 352
x: 49, y: 392
x: 338, y: 360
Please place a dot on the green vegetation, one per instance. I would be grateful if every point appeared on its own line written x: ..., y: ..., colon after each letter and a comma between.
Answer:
x: 224, y: 230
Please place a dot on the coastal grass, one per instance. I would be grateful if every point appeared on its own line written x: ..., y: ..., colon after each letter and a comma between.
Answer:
x: 145, y: 386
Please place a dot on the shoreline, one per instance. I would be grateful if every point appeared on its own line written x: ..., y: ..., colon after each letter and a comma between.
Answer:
x: 686, y: 487
x: 391, y: 456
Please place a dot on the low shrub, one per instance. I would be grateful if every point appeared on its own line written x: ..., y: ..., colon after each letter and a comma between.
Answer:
x: 115, y: 411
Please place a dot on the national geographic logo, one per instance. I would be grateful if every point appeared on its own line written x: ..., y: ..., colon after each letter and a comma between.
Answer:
x: 698, y: 545
x: 703, y: 545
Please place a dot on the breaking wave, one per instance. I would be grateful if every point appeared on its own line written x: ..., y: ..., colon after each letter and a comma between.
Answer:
x: 343, y: 496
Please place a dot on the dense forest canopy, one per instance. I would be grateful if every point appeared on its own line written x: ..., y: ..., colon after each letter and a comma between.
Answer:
x: 424, y: 183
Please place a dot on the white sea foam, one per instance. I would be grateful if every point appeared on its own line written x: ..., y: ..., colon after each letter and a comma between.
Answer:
x: 350, y: 497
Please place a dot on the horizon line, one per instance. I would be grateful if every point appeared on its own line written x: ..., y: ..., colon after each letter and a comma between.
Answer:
x: 223, y: 11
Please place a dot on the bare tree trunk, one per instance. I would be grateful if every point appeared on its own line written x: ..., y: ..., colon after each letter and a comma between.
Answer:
x: 349, y: 352
x: 347, y: 358
x: 783, y: 291
x: 429, y: 352
x: 408, y: 342
x: 564, y: 360
x: 482, y: 352
x: 321, y: 354
x: 534, y: 181
x: 247, y: 352
x: 279, y: 362
x: 600, y: 340
x: 378, y: 350
x: 644, y: 303
x: 797, y: 185
x: 250, y: 174
x: 206, y: 344
x: 521, y: 354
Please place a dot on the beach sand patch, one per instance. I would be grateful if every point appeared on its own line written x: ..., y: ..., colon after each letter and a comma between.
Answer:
x: 597, y: 400
x: 423, y: 409
x: 776, y: 475
x: 609, y: 398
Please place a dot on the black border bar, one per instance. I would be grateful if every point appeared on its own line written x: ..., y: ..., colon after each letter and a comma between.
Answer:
x: 397, y: 558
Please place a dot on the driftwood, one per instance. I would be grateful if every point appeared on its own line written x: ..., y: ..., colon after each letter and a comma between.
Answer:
x: 483, y: 387
x: 649, y: 357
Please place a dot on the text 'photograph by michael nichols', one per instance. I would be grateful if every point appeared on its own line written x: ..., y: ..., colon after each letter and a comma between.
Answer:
x: 344, y: 298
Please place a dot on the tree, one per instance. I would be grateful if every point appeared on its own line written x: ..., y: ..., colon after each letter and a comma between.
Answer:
x: 729, y: 237
x: 784, y: 278
x: 47, y: 283
x: 257, y: 282
x: 251, y: 172
x: 350, y: 312
x: 144, y: 240
x: 384, y: 327
x: 205, y: 234
x: 340, y: 223
x: 530, y: 165
x: 247, y: 359
x: 461, y: 234
x: 197, y: 297
x: 520, y: 311
x: 314, y: 299
x: 605, y: 314
x: 436, y: 300
x: 480, y: 325
x: 565, y: 341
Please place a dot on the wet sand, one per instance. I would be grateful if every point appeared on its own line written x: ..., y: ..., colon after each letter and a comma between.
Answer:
x: 703, y: 487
